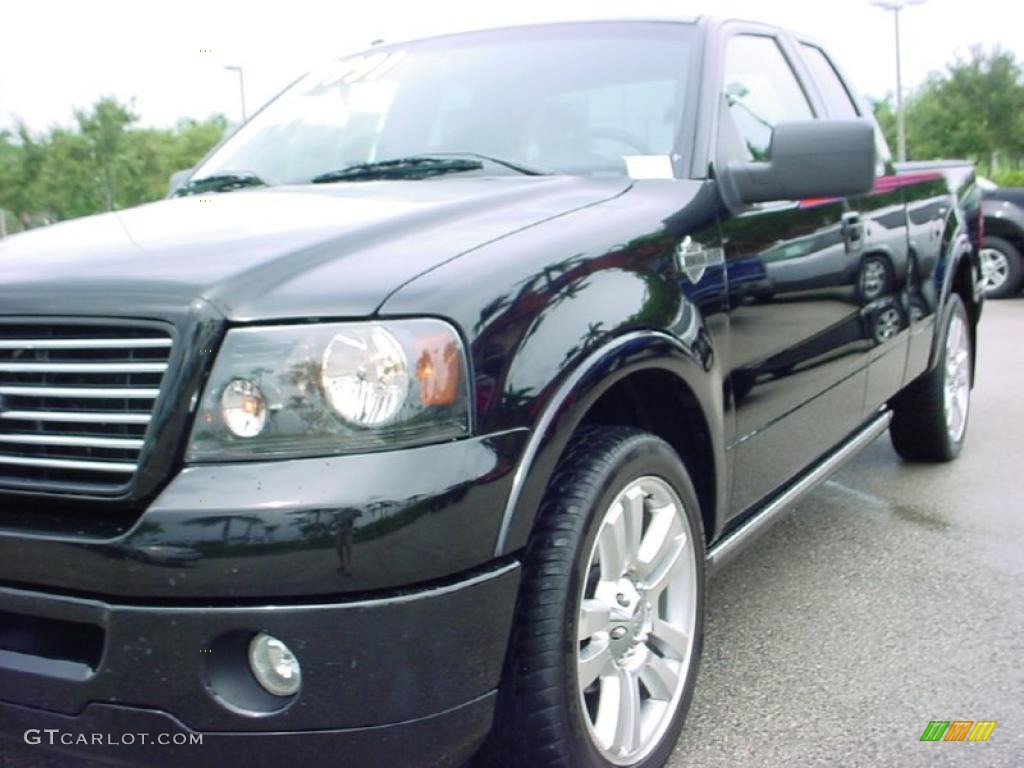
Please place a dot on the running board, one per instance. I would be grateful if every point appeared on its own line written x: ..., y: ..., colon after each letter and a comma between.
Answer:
x: 727, y: 548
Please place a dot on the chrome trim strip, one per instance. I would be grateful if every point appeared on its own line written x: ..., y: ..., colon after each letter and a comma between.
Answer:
x: 728, y: 547
x: 143, y: 343
x: 111, y: 392
x: 94, y: 466
x: 73, y: 441
x: 10, y: 367
x: 78, y: 417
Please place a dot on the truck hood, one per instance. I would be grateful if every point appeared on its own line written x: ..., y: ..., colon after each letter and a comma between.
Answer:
x: 310, y: 251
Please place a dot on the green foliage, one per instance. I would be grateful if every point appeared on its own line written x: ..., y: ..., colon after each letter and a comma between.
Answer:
x: 105, y: 161
x: 1009, y: 177
x: 973, y: 110
x: 885, y: 114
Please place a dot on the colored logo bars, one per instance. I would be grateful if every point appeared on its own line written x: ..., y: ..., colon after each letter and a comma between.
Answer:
x: 958, y: 730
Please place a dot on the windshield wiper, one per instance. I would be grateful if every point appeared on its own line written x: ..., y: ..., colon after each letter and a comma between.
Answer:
x: 421, y: 167
x: 228, y: 181
x: 399, y: 168
x: 523, y: 168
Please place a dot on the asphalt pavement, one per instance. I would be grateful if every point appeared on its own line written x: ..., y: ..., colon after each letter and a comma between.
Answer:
x: 891, y: 596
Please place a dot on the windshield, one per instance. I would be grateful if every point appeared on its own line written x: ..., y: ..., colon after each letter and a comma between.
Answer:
x: 574, y: 99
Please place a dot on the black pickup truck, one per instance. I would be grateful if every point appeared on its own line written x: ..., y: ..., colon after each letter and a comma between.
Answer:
x: 421, y: 442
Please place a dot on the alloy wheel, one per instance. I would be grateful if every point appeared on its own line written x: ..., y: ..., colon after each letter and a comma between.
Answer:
x: 957, y: 383
x: 637, y: 620
x: 995, y: 269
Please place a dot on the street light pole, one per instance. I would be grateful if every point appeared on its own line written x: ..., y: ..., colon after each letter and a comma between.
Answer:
x: 901, y: 116
x: 241, y: 86
x: 901, y: 119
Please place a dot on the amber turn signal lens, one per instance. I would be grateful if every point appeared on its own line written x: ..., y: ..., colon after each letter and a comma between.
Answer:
x: 437, y: 369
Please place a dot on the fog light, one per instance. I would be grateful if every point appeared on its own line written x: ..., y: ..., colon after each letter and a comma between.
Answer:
x: 274, y: 665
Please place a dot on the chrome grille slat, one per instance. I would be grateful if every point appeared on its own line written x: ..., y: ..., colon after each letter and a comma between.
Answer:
x: 10, y: 367
x: 76, y: 400
x: 77, y: 417
x: 73, y: 441
x: 133, y: 393
x: 90, y: 466
x: 84, y: 343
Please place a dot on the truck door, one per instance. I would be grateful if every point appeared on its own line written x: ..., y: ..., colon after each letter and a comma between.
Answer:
x: 886, y: 264
x: 798, y: 346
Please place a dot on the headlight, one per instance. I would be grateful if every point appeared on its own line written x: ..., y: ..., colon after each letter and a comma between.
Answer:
x: 314, y: 390
x: 365, y: 375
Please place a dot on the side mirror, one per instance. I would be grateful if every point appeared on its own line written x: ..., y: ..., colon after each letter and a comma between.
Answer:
x: 808, y: 159
x: 178, y: 179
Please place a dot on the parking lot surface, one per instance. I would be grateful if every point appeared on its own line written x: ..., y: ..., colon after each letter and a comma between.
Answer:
x: 891, y: 596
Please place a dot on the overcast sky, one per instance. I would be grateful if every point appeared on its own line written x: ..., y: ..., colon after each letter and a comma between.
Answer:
x: 58, y: 54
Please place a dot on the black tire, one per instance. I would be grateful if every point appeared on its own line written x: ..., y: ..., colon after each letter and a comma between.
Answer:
x: 539, y: 722
x: 919, y: 431
x: 1014, y: 269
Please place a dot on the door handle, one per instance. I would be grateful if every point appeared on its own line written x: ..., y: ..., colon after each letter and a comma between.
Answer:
x: 853, y: 231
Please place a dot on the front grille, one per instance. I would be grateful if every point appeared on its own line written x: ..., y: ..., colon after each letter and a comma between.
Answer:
x: 75, y: 403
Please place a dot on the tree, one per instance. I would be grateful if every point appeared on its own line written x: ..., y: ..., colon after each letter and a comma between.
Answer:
x: 885, y: 115
x: 974, y: 110
x: 104, y: 130
x: 104, y: 161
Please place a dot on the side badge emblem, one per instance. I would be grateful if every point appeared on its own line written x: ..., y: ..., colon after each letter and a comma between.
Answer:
x: 693, y: 259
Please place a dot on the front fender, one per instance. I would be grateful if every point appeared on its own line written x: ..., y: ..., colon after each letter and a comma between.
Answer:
x: 693, y: 363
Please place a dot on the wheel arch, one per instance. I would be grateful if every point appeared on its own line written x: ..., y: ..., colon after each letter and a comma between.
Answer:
x: 623, y: 383
x: 962, y: 279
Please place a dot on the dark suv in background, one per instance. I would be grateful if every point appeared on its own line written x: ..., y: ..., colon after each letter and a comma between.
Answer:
x: 1002, y: 268
x: 422, y: 440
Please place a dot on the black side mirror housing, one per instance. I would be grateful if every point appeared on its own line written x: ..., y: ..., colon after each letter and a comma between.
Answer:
x: 808, y: 159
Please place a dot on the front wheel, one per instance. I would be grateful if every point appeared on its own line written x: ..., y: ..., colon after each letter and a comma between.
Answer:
x: 609, y: 626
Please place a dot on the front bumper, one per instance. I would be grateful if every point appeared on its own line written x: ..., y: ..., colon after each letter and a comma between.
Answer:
x: 407, y: 679
x: 292, y: 529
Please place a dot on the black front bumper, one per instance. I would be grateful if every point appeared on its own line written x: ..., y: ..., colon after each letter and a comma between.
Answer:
x: 406, y: 679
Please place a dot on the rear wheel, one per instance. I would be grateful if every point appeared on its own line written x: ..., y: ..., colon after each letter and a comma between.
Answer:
x: 1001, y: 268
x: 608, y: 634
x: 930, y: 417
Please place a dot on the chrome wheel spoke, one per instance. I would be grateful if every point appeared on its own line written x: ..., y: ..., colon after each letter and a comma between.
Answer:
x: 670, y: 638
x: 659, y: 676
x: 617, y: 541
x: 633, y: 520
x: 658, y: 571
x: 629, y: 721
x: 594, y: 618
x: 595, y: 660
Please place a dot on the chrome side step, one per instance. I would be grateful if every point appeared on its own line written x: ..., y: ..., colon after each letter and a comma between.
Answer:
x: 725, y: 549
